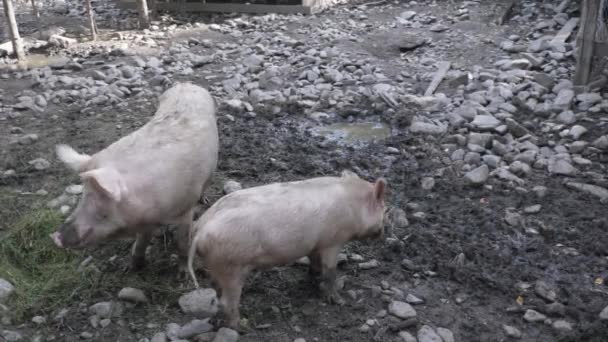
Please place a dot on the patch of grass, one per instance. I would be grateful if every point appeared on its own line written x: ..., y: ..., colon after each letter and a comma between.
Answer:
x: 44, y: 275
x: 48, y: 278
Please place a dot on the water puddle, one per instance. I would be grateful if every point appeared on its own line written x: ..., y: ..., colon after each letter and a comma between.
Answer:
x: 357, y: 132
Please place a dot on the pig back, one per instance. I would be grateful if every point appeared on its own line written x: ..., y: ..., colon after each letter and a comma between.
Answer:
x: 169, y: 158
x: 281, y: 221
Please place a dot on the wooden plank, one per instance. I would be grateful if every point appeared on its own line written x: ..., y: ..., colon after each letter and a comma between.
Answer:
x: 442, y: 70
x: 235, y: 8
x: 565, y: 32
x: 586, y: 41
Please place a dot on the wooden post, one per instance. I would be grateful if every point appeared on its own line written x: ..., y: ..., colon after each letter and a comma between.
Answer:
x: 586, y: 41
x: 144, y: 19
x: 13, y: 30
x: 36, y: 15
x: 92, y: 24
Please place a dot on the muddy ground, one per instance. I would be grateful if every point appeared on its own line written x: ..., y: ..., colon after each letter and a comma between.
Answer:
x: 465, y: 261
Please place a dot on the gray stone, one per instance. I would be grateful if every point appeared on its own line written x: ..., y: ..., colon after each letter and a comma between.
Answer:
x: 406, y: 337
x: 85, y: 335
x: 512, y: 217
x: 481, y: 139
x: 562, y: 167
x: 477, y: 176
x: 491, y: 160
x: 172, y: 331
x: 407, y: 15
x: 40, y: 164
x: 533, y: 209
x: 532, y: 316
x: 38, y: 320
x: 159, y: 337
x: 397, y: 218
x: 132, y: 295
x: 562, y: 325
x: 105, y: 322
x: 485, y: 122
x: 515, y: 128
x: 591, y: 189
x: 604, y: 314
x: 368, y: 265
x: 527, y: 157
x: 473, y: 158
x: 468, y: 112
x: 194, y: 327
x: 427, y: 183
x: 543, y: 290
x: 577, y: 131
x: 511, y: 331
x: 6, y: 289
x: 74, y: 189
x: 226, y: 335
x: 521, y: 63
x: 439, y: 28
x: 601, y: 142
x: 428, y: 334
x: 201, y: 302
x: 428, y: 128
x: 577, y: 146
x: 106, y: 309
x: 411, y: 299
x: 11, y: 336
x: 232, y: 186
x: 446, y: 334
x: 401, y: 309
x: 588, y: 100
x: 519, y: 168
x: 563, y: 101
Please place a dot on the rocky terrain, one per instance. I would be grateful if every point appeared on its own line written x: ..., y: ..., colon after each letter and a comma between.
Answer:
x: 497, y: 228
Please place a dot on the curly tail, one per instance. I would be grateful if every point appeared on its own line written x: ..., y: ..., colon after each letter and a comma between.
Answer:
x: 191, y: 255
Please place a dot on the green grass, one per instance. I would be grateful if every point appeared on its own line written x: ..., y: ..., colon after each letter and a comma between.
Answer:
x: 44, y: 276
x: 47, y: 278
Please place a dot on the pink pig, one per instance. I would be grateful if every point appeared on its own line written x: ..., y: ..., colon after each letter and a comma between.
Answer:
x: 277, y: 224
x: 151, y: 177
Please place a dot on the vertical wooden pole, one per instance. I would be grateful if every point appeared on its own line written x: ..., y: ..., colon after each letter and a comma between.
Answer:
x: 586, y: 41
x: 13, y: 30
x: 91, y: 15
x: 144, y: 19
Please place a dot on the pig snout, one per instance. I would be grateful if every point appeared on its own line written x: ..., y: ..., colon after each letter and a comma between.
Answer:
x: 56, y: 236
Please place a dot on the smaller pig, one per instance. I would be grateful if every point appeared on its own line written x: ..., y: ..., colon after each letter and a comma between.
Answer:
x: 151, y: 177
x: 279, y: 223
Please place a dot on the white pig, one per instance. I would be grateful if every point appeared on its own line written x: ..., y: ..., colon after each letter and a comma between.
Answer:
x: 277, y: 224
x: 151, y: 177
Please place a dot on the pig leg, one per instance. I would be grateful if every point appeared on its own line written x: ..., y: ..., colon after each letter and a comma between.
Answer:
x: 329, y: 261
x: 138, y: 253
x: 182, y: 237
x: 231, y: 283
x: 315, y: 268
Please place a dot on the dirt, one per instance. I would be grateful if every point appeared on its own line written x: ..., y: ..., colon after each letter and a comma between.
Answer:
x: 473, y: 298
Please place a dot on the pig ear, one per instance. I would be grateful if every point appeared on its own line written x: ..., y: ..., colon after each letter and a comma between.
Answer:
x: 106, y: 181
x: 379, y: 189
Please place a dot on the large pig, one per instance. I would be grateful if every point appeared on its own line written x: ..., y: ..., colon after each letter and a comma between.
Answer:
x: 277, y: 224
x: 151, y: 177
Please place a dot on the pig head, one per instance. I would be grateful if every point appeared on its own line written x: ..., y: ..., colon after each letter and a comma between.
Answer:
x: 97, y: 216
